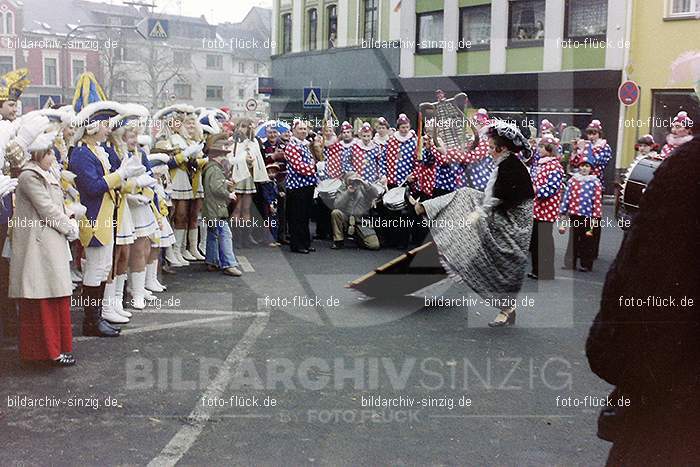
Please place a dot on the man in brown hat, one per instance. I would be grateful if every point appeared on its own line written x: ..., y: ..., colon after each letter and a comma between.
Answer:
x: 218, y: 192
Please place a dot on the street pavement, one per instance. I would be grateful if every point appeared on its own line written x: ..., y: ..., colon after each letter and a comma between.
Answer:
x: 224, y: 371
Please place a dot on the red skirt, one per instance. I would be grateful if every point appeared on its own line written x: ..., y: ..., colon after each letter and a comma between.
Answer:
x: 44, y: 328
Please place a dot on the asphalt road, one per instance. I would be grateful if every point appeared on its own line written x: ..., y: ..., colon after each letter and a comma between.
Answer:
x: 225, y: 372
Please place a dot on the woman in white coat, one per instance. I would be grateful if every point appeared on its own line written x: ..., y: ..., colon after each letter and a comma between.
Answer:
x: 40, y: 259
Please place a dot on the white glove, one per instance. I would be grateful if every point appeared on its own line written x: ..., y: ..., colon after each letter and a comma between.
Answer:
x: 77, y: 210
x: 131, y: 168
x: 191, y: 152
x: 161, y: 169
x: 160, y: 191
x: 7, y: 185
x: 72, y: 193
x: 137, y: 200
x: 30, y: 127
x: 144, y: 180
x: 68, y: 176
x: 159, y: 156
x: 74, y: 232
x: 233, y: 196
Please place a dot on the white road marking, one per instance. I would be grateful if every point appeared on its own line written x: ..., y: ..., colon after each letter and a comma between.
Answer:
x: 179, y: 311
x: 197, y: 420
x: 245, y: 264
x: 159, y: 327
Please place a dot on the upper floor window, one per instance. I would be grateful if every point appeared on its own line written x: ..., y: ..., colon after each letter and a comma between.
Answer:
x: 122, y: 86
x: 77, y: 69
x: 313, y: 29
x: 241, y: 67
x: 371, y: 19
x: 256, y: 68
x: 526, y: 20
x: 215, y: 92
x: 7, y: 64
x: 429, y: 31
x: 8, y: 23
x: 475, y: 26
x: 286, y: 33
x: 183, y: 90
x: 586, y: 18
x: 332, y: 26
x: 683, y: 8
x: 215, y: 62
x: 182, y: 59
x: 50, y: 71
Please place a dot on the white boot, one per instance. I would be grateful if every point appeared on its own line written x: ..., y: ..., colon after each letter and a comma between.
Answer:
x: 108, y: 311
x: 152, y: 277
x: 172, y: 258
x: 155, y: 276
x: 178, y: 248
x: 202, y: 226
x: 119, y: 282
x: 183, y: 247
x: 138, y: 283
x: 192, y: 237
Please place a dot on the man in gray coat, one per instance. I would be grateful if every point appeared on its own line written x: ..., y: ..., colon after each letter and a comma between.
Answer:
x: 352, y: 205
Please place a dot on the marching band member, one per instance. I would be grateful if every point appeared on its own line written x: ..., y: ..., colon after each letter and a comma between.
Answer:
x: 301, y: 182
x: 595, y: 149
x: 96, y: 184
x: 364, y: 156
x: 647, y: 147
x: 39, y: 266
x: 332, y: 153
x: 248, y: 169
x: 582, y: 204
x: 382, y: 135
x: 478, y: 163
x: 187, y: 154
x: 347, y: 140
x: 681, y: 133
x: 547, y: 182
x: 400, y: 158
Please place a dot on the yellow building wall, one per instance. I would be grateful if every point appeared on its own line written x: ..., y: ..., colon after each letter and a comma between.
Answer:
x: 655, y: 44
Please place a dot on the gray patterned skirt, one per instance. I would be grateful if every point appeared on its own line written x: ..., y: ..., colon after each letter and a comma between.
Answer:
x: 489, y: 253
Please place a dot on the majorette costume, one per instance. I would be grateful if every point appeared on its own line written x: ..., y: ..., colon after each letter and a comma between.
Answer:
x: 674, y: 141
x: 301, y: 181
x: 582, y: 203
x: 598, y: 153
x: 400, y: 160
x: 364, y: 160
x: 97, y: 186
x: 547, y: 183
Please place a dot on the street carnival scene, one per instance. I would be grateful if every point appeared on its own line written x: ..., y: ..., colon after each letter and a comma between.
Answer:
x: 350, y: 232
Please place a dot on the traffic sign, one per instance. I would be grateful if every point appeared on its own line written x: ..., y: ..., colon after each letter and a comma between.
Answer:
x: 158, y: 28
x: 312, y: 98
x: 251, y: 105
x: 48, y: 101
x: 628, y: 93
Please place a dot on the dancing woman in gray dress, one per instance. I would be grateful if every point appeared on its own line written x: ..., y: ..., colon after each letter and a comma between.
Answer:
x: 483, y: 238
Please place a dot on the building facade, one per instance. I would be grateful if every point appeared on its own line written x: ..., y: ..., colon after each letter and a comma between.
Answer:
x: 661, y: 31
x: 524, y: 59
x: 41, y: 35
x: 325, y: 44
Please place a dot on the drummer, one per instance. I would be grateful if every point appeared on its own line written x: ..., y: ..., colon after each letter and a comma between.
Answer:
x: 478, y: 163
x: 347, y: 139
x: 647, y: 147
x: 400, y: 159
x: 681, y: 133
x: 365, y: 155
x: 381, y: 138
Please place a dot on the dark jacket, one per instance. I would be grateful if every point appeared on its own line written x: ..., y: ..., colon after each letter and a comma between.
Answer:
x: 652, y: 352
x: 513, y: 183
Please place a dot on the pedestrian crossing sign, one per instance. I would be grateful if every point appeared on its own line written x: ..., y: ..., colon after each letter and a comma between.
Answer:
x: 158, y: 28
x: 48, y: 101
x: 312, y: 98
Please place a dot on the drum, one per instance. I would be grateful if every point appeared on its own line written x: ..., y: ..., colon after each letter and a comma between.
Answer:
x: 328, y: 190
x: 636, y: 181
x: 395, y: 199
